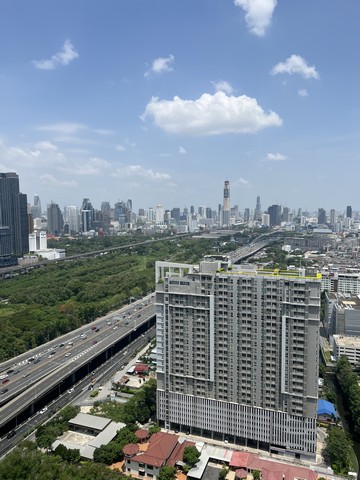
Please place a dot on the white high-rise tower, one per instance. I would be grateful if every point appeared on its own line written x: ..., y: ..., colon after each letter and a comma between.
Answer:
x: 226, y: 204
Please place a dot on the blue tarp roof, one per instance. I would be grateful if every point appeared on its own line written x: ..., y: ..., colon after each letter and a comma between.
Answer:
x: 326, y: 408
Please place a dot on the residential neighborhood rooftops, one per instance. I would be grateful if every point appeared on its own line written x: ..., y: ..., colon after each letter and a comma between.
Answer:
x: 159, y: 450
x: 270, y: 470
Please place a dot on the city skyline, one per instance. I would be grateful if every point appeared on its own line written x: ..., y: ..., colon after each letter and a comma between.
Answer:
x: 162, y: 101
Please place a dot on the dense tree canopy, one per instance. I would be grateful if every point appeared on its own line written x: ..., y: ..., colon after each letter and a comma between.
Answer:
x: 348, y: 381
x: 59, y: 297
x: 167, y: 473
x: 337, y: 450
x: 139, y: 408
x: 27, y: 463
x: 191, y: 456
x: 113, y: 451
x: 48, y: 432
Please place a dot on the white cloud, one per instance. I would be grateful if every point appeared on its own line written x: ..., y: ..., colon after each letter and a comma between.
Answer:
x: 242, y: 182
x: 303, y: 92
x: 120, y: 148
x: 64, y: 128
x: 66, y: 55
x: 182, y: 151
x: 258, y: 14
x: 161, y: 65
x: 46, y: 145
x: 210, y: 115
x: 276, y: 157
x: 48, y: 179
x: 223, y: 86
x: 295, y: 64
x: 103, y: 131
x: 138, y: 171
x: 35, y: 156
x: 92, y: 166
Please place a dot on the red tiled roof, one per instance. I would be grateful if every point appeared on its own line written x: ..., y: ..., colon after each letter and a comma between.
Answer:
x: 241, y: 459
x: 141, y: 367
x: 141, y: 434
x: 271, y: 470
x: 178, y: 453
x: 241, y: 473
x: 131, y: 449
x: 159, y: 450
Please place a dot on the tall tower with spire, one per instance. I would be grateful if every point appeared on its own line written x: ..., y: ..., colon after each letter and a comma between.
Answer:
x: 226, y: 204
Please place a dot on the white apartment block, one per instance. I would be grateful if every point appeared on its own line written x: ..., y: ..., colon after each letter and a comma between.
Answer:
x: 347, y: 346
x: 341, y: 282
x: 237, y: 354
x: 37, y: 240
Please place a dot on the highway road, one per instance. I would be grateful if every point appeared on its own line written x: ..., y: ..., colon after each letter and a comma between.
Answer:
x: 74, y: 395
x: 30, y: 375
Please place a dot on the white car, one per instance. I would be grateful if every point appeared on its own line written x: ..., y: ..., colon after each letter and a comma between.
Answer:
x: 67, y: 354
x: 43, y: 410
x: 70, y: 390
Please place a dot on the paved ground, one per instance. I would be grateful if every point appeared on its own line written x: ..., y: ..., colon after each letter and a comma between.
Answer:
x: 212, y: 473
x: 105, y: 389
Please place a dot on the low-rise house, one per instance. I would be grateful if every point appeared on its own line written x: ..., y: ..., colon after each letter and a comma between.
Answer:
x: 326, y: 412
x: 163, y: 449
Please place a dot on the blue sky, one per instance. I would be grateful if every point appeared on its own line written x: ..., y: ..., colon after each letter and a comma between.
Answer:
x: 160, y: 101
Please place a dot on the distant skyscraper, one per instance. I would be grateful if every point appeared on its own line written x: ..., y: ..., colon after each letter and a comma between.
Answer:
x: 247, y: 215
x: 121, y: 213
x: 55, y: 219
x: 257, y: 213
x: 201, y: 212
x: 73, y: 215
x: 36, y: 208
x: 321, y: 216
x: 175, y: 214
x: 226, y: 204
x: 332, y: 216
x: 159, y: 214
x: 275, y: 215
x: 151, y: 214
x: 285, y: 214
x: 13, y: 216
x: 265, y: 220
x: 349, y: 211
x: 105, y: 210
x: 87, y: 215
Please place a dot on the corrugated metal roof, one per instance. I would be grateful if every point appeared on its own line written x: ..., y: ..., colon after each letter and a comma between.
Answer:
x: 90, y: 421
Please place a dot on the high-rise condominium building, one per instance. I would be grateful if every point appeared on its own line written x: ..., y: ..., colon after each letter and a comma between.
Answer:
x: 73, y: 218
x: 87, y: 215
x: 13, y: 216
x: 55, y: 219
x: 332, y: 216
x: 275, y: 215
x: 226, y: 204
x: 237, y: 354
x: 36, y: 208
x: 349, y: 211
x: 321, y: 216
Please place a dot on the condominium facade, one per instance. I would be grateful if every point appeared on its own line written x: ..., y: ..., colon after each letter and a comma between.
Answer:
x: 237, y: 354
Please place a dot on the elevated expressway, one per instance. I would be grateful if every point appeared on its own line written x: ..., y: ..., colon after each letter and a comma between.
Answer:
x: 244, y: 252
x: 36, y: 377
